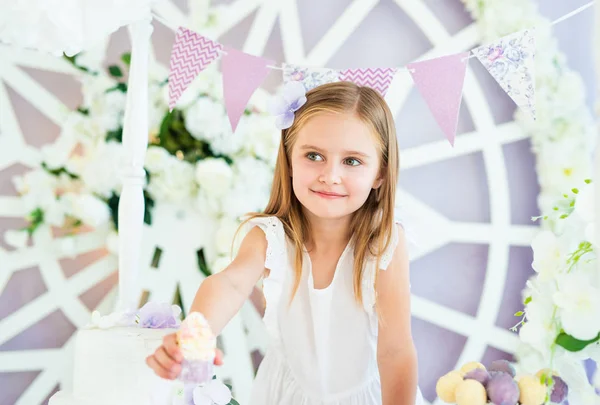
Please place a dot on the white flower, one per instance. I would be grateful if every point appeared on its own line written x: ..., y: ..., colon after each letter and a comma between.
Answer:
x: 105, y: 108
x: 206, y: 120
x: 579, y: 303
x: 213, y: 392
x: 157, y: 159
x: 16, y: 239
x: 584, y: 203
x: 562, y: 165
x: 539, y: 329
x: 88, y: 208
x: 100, y: 168
x: 208, y: 204
x: 260, y: 136
x: 56, y: 155
x: 214, y: 175
x: 175, y: 183
x: 548, y: 257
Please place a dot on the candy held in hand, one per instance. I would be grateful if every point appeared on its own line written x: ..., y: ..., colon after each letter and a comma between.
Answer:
x: 480, y: 375
x: 470, y: 392
x: 532, y: 391
x: 195, y: 338
x: 446, y: 386
x: 503, y: 390
x: 504, y: 366
x: 198, y: 346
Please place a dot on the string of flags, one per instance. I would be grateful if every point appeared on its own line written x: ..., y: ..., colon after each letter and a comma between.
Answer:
x: 510, y: 60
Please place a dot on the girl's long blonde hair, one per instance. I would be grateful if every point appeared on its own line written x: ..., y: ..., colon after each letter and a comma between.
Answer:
x: 373, y: 222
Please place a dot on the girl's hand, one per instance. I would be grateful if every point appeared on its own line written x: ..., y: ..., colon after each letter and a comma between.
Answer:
x: 166, y: 360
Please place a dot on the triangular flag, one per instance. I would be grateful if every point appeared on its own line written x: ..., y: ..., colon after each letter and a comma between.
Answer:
x: 190, y: 55
x: 376, y: 78
x: 242, y: 74
x: 440, y: 81
x: 310, y: 77
x: 511, y: 61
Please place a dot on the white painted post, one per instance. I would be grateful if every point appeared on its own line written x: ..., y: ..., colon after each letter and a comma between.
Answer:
x: 135, y: 143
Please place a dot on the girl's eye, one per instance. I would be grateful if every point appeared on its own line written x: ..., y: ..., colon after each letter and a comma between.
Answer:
x: 315, y: 157
x: 352, y: 162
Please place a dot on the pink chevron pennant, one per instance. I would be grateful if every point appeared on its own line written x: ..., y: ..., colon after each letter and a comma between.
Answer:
x: 376, y: 78
x: 191, y: 54
x: 242, y: 74
x: 440, y: 81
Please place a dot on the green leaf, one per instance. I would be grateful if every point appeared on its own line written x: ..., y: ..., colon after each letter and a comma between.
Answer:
x: 202, y: 263
x: 588, y: 181
x: 563, y: 216
x: 122, y: 87
x: 575, y: 190
x: 572, y: 344
x: 527, y: 300
x: 519, y: 313
x: 116, y: 135
x: 113, y: 206
x: 115, y: 71
x: 229, y: 386
x: 148, y: 206
x: 233, y: 402
x: 84, y: 111
x: 126, y: 58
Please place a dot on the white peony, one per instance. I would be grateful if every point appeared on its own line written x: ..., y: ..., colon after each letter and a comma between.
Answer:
x: 208, y: 204
x: 100, y: 168
x: 105, y: 108
x: 38, y: 189
x: 175, y: 183
x: 214, y: 175
x: 88, y: 208
x: 563, y: 165
x: 56, y: 155
x: 157, y: 159
x: 548, y: 256
x: 578, y: 301
x: 16, y: 239
x: 584, y: 203
x: 206, y: 120
x: 260, y: 136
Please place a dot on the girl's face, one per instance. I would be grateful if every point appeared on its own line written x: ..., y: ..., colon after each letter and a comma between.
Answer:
x: 335, y: 164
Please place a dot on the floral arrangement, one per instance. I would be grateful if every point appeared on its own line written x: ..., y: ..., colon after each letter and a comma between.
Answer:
x: 560, y: 322
x: 473, y: 384
x: 193, y: 161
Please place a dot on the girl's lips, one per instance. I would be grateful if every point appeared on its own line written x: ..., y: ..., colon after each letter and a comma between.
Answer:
x: 326, y: 194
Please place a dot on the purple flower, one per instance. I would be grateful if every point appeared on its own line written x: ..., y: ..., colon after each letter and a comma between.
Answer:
x: 284, y: 105
x: 159, y: 316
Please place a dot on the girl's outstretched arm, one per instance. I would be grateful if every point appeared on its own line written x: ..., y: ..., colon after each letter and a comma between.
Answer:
x: 221, y: 295
x: 396, y: 354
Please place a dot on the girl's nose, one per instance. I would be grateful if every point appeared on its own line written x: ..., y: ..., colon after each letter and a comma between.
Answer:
x: 331, y: 174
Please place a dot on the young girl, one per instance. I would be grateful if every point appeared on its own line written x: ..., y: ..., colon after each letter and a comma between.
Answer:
x: 334, y: 263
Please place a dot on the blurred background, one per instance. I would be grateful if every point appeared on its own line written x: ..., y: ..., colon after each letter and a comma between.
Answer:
x: 468, y: 209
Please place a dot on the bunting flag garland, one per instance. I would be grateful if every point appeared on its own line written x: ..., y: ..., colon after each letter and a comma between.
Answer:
x: 242, y: 74
x: 440, y: 82
x: 310, y: 77
x: 191, y: 54
x: 511, y: 62
x: 376, y: 78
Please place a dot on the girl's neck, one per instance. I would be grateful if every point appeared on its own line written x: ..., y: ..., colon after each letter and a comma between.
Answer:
x: 327, y: 234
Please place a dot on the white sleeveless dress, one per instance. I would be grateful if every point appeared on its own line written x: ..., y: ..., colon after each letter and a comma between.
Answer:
x: 323, y: 347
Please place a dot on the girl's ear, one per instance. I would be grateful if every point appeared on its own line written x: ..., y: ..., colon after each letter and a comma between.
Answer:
x: 377, y: 183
